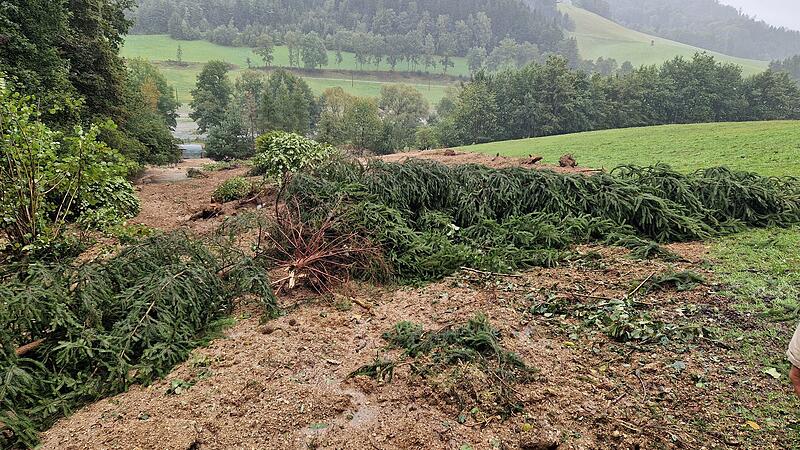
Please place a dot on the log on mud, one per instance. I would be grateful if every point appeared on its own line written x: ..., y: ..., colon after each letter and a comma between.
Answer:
x: 207, y: 213
x: 532, y: 160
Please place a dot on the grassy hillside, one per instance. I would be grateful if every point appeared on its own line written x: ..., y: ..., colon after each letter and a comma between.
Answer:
x: 598, y: 36
x: 163, y: 48
x: 769, y: 148
x: 159, y: 48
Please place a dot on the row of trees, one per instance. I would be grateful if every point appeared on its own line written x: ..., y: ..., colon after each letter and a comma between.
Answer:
x: 235, y: 113
x: 66, y: 54
x: 550, y: 98
x: 453, y: 27
x: 707, y: 24
x: 540, y: 99
x: 310, y: 52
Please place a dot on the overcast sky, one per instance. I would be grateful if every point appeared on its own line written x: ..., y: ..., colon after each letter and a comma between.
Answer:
x: 775, y: 12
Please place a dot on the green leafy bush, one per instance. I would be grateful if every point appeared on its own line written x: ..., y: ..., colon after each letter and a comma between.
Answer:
x: 229, y: 139
x: 235, y: 188
x: 49, y: 180
x: 279, y: 153
x: 107, y: 203
x: 224, y: 165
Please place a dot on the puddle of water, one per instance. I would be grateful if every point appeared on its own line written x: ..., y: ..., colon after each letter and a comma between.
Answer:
x: 191, y: 151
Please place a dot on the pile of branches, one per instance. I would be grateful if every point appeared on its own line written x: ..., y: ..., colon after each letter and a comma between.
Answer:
x: 73, y: 334
x: 466, y: 364
x: 430, y: 219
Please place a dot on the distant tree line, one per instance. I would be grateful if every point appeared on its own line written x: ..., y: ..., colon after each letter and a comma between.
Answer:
x: 540, y: 99
x: 708, y: 24
x: 235, y: 113
x: 394, y: 31
x: 550, y: 98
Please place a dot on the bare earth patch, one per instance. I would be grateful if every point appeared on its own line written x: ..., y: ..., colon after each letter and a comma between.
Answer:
x: 170, y: 199
x: 455, y: 157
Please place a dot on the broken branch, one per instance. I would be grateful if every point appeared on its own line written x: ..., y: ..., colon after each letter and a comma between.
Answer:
x: 27, y: 348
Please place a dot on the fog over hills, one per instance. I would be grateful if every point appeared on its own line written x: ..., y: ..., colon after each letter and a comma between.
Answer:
x: 784, y: 13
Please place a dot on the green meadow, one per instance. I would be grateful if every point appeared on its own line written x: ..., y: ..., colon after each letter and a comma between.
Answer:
x: 769, y: 148
x: 161, y: 48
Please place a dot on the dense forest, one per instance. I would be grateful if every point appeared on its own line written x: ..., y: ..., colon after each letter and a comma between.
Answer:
x: 441, y: 27
x: 702, y: 23
x: 66, y: 54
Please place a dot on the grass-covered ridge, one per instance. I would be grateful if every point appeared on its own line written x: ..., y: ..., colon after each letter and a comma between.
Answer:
x: 600, y: 37
x: 767, y: 148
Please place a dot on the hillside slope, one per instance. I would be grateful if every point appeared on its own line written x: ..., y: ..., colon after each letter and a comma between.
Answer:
x: 598, y: 36
x: 162, y: 48
x: 769, y: 148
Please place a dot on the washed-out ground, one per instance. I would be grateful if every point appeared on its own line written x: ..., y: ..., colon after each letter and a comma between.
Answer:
x: 284, y: 383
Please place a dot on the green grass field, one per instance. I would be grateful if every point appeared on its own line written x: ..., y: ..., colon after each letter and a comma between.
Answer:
x: 184, y: 79
x: 160, y: 48
x: 163, y: 48
x: 769, y: 148
x: 598, y: 36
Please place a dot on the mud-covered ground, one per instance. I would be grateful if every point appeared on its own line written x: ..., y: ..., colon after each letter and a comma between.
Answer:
x: 284, y: 383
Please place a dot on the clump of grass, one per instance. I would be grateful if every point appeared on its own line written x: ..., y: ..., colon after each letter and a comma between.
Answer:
x: 236, y: 188
x: 466, y: 364
x: 761, y: 270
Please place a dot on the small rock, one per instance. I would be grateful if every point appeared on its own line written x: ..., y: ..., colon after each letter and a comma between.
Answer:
x: 537, y: 444
x: 292, y: 322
